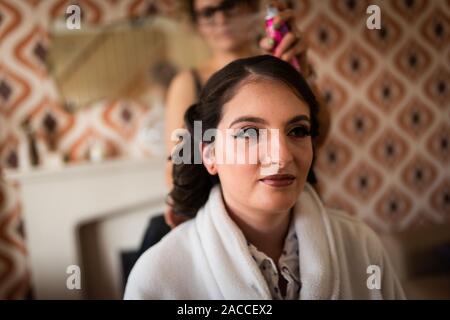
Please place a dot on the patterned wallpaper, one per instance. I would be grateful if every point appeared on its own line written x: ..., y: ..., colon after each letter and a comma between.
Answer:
x: 388, y: 153
x: 387, y: 158
x: 28, y: 92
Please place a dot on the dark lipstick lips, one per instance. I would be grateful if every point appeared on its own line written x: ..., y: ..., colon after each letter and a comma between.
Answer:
x: 278, y: 180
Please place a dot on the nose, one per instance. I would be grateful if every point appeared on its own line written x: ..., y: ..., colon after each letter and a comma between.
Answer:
x: 279, y: 151
x: 285, y: 156
x: 220, y: 18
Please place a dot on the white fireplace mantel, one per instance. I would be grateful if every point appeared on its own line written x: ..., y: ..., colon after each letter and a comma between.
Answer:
x: 56, y: 202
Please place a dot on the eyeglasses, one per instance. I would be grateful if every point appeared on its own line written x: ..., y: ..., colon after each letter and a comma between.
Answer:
x: 228, y: 7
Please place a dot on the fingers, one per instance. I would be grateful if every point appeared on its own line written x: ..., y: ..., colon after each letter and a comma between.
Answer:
x: 284, y: 16
x: 293, y: 43
x: 287, y: 43
x: 290, y: 42
x: 288, y: 48
x: 294, y: 52
x: 267, y: 44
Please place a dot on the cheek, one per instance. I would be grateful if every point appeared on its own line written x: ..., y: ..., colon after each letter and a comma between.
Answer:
x: 234, y: 168
x: 205, y: 32
x: 231, y: 151
x: 303, y: 156
x: 247, y: 151
x: 246, y: 29
x: 237, y: 179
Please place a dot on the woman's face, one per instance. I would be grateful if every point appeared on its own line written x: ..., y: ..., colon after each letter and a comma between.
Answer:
x: 224, y: 30
x: 274, y: 181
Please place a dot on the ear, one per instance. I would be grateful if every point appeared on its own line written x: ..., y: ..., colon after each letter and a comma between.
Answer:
x: 208, y: 157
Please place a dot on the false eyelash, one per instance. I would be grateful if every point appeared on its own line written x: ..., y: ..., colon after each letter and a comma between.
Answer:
x: 241, y: 132
x: 306, y: 132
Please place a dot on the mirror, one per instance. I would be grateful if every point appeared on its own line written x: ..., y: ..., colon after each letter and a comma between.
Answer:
x: 132, y: 59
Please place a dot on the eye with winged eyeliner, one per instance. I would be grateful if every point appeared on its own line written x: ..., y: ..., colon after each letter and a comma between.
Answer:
x: 262, y: 121
x: 253, y: 132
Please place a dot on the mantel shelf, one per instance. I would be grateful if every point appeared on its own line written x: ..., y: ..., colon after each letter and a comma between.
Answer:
x: 72, y: 170
x: 56, y: 202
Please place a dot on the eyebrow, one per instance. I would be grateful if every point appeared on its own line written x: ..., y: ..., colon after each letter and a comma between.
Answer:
x: 262, y: 121
x: 299, y: 118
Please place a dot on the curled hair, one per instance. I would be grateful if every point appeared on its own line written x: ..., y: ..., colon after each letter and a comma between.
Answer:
x: 192, y: 182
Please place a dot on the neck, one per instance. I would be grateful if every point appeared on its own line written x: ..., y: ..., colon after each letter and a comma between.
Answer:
x: 266, y: 231
x: 222, y: 58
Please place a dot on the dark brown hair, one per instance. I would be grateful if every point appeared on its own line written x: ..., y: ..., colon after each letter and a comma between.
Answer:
x: 192, y: 182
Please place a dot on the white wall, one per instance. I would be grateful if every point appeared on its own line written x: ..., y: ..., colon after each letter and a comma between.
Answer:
x: 57, y: 202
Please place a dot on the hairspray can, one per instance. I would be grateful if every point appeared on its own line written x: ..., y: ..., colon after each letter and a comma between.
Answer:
x: 278, y: 34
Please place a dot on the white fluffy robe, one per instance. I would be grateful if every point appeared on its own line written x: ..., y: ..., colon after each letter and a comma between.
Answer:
x: 208, y: 258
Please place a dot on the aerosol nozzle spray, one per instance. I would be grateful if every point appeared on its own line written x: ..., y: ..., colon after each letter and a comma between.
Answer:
x: 278, y: 34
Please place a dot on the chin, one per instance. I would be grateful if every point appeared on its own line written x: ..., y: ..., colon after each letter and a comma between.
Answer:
x: 228, y: 44
x: 278, y: 201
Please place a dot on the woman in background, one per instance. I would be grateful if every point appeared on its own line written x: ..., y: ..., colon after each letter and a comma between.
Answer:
x: 230, y: 29
x: 258, y: 234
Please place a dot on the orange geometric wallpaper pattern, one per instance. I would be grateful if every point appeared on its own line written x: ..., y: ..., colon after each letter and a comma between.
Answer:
x: 388, y: 91
x: 27, y: 92
x: 387, y: 158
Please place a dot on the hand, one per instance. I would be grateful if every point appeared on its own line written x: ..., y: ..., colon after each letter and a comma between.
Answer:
x: 293, y: 43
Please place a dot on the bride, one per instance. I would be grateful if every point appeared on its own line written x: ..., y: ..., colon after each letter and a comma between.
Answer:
x: 258, y: 234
